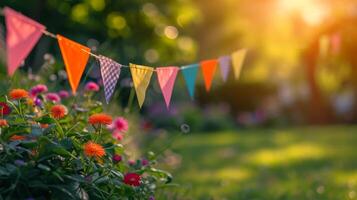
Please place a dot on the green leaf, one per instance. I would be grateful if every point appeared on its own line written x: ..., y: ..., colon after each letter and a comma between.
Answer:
x: 62, y: 151
x: 44, y: 167
x: 161, y: 174
x: 37, y: 184
x: 58, y: 176
x: 45, y: 120
x: 76, y: 178
x: 63, y: 189
x: 116, y: 173
x: 29, y: 144
x: 3, y: 172
x: 67, y: 143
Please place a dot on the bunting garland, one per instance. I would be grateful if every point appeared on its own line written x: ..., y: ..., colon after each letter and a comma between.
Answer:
x: 167, y: 77
x: 208, y: 70
x: 141, y: 76
x: 237, y: 60
x: 190, y: 75
x: 225, y: 66
x: 110, y: 71
x: 23, y: 33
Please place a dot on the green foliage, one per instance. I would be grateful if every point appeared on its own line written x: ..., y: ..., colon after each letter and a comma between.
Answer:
x: 44, y: 156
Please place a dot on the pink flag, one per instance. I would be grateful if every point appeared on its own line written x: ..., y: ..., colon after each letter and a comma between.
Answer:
x: 167, y: 77
x: 22, y: 33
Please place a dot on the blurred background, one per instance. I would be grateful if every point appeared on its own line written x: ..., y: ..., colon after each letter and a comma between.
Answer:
x: 289, y: 117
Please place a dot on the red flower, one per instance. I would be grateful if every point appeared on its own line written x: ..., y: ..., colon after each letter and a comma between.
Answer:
x: 116, y: 158
x: 4, y: 109
x: 17, y: 137
x: 18, y: 94
x: 58, y: 111
x: 92, y: 149
x: 100, y: 118
x: 132, y: 179
x: 3, y: 122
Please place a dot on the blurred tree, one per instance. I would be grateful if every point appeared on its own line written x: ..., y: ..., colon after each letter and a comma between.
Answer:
x: 283, y: 40
x: 151, y: 33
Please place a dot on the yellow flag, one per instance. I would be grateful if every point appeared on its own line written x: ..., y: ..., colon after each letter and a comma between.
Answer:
x: 141, y: 76
x: 237, y: 61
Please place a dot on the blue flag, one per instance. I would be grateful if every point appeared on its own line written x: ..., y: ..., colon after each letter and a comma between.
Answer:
x: 190, y: 74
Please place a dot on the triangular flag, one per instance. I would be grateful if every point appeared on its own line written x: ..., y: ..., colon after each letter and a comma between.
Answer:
x: 75, y: 58
x: 225, y: 66
x: 110, y: 71
x: 22, y: 33
x: 167, y: 77
x: 190, y: 75
x: 237, y: 61
x: 208, y: 70
x: 141, y: 78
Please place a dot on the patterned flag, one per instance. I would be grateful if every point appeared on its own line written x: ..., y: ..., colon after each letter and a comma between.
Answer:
x: 75, y: 58
x: 237, y: 61
x: 141, y: 78
x: 22, y: 33
x: 208, y: 69
x: 225, y: 65
x: 110, y: 71
x: 190, y: 75
x: 167, y: 77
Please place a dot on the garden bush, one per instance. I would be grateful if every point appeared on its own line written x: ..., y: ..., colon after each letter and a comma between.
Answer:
x: 55, y: 150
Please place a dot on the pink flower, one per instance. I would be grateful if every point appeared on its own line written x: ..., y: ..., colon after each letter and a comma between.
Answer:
x: 92, y: 87
x: 117, y: 135
x: 116, y: 158
x: 119, y: 124
x: 53, y: 97
x: 131, y: 162
x: 63, y: 94
x: 144, y: 162
x: 38, y: 89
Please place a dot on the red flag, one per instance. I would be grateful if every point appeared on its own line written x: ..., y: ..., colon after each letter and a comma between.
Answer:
x: 208, y: 69
x: 22, y: 33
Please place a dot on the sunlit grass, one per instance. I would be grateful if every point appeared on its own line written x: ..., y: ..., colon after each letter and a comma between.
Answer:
x: 299, y: 163
x: 285, y: 155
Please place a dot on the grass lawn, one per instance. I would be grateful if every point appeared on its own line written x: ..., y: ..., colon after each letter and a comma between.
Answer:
x: 291, y: 163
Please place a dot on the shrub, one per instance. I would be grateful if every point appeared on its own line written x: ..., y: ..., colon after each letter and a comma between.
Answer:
x: 54, y: 151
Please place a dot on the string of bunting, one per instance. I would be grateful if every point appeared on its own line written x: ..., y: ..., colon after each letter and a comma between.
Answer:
x: 22, y: 34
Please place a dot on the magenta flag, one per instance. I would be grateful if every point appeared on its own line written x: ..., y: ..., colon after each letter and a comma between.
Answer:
x: 167, y: 77
x: 22, y: 33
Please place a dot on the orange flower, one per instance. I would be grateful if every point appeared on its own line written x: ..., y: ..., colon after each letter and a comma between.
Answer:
x: 17, y: 137
x: 30, y: 102
x: 3, y: 122
x: 100, y: 118
x: 58, y: 111
x: 44, y: 125
x: 92, y: 149
x: 18, y: 94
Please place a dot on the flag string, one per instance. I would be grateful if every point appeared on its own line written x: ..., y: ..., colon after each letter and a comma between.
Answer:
x: 49, y: 34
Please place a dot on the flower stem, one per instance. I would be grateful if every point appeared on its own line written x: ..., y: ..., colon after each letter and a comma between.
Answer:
x: 59, y: 129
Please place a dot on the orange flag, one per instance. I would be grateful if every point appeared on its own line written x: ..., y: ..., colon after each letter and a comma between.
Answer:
x: 208, y: 68
x: 75, y: 58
